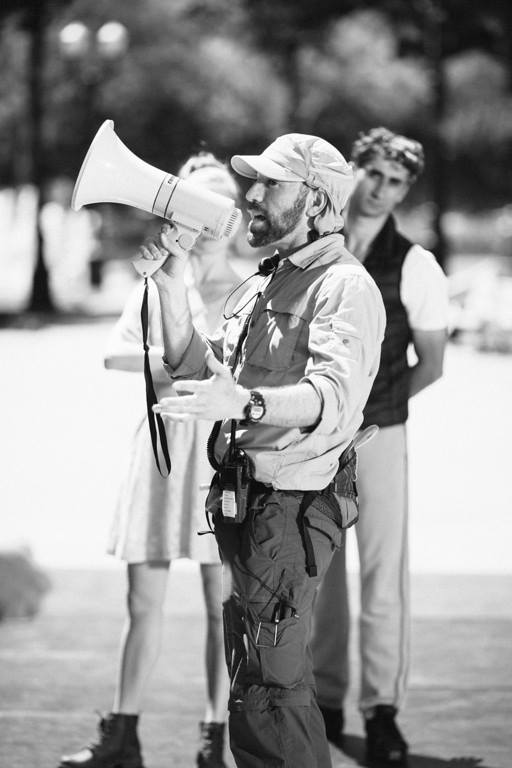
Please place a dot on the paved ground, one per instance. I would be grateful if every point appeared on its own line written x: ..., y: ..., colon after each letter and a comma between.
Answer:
x: 66, y: 427
x: 55, y: 671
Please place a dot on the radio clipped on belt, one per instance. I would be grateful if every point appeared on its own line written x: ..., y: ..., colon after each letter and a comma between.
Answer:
x: 234, y: 478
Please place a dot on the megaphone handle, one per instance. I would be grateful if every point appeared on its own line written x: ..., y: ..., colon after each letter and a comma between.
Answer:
x: 182, y: 235
x: 146, y: 268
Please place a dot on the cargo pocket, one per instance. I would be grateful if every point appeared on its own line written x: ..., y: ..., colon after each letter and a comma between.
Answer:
x: 268, y: 528
x: 279, y: 650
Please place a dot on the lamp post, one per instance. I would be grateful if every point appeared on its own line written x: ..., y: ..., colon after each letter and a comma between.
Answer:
x: 92, y: 52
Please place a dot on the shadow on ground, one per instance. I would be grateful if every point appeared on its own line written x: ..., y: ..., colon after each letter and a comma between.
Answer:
x: 354, y: 747
x: 57, y: 669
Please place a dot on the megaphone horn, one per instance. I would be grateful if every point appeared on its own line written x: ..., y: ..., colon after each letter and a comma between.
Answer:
x: 111, y: 173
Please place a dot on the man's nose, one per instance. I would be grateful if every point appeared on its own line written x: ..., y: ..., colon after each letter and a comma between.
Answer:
x: 255, y: 193
x: 378, y: 189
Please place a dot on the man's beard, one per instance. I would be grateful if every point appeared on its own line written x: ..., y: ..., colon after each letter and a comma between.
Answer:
x: 273, y: 229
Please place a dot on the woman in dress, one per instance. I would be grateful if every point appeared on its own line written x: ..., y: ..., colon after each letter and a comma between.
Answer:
x: 158, y: 518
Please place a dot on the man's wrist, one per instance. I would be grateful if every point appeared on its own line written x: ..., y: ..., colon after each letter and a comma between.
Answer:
x: 242, y: 398
x: 255, y: 408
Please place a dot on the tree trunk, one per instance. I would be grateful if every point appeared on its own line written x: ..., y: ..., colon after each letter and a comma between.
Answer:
x: 40, y: 296
x: 438, y: 160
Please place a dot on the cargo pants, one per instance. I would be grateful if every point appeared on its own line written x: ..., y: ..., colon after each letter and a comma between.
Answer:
x: 274, y: 719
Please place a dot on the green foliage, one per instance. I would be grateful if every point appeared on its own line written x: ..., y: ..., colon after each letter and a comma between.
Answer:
x: 357, y: 80
x: 232, y: 76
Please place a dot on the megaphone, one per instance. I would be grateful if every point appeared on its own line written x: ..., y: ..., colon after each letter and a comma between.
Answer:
x: 111, y: 173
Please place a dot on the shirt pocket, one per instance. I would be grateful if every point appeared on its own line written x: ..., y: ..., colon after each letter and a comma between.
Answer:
x: 279, y: 335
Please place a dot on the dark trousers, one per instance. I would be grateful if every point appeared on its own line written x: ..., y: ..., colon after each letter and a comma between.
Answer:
x: 274, y: 720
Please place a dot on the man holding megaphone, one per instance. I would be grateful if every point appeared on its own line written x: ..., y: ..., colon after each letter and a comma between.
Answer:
x: 286, y: 378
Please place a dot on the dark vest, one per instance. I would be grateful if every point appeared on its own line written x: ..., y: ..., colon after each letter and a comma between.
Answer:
x: 388, y: 401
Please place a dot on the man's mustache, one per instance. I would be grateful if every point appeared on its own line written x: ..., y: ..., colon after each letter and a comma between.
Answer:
x: 255, y: 208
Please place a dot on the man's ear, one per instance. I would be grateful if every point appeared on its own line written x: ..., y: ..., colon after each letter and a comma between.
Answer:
x: 318, y: 201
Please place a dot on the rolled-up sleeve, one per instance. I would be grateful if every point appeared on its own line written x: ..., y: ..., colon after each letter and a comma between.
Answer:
x: 345, y: 335
x: 193, y: 364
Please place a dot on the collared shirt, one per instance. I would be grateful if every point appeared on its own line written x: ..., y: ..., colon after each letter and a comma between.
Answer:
x: 319, y: 319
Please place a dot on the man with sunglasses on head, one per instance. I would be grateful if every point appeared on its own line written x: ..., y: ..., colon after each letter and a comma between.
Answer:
x: 286, y: 378
x: 414, y: 291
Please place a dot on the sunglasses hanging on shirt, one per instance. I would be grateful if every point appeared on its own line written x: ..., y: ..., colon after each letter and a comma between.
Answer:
x: 266, y: 267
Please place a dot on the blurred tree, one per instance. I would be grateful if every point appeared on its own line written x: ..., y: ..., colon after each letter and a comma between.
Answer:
x: 231, y: 76
x: 285, y: 29
x: 31, y: 17
x: 436, y: 31
x: 174, y: 92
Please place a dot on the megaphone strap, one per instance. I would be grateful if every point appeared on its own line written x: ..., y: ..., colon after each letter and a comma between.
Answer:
x: 155, y: 421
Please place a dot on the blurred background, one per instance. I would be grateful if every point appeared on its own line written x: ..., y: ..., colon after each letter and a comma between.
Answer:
x: 229, y: 77
x: 178, y: 76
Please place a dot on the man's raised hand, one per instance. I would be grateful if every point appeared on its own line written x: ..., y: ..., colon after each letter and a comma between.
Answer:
x: 218, y: 397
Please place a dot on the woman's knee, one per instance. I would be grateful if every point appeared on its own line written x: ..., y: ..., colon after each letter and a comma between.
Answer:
x: 146, y: 592
x: 143, y: 607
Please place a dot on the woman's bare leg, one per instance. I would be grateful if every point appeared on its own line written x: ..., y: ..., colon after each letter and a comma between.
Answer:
x: 141, y: 640
x: 217, y: 681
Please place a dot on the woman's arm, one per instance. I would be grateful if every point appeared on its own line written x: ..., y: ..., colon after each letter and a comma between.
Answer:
x: 129, y: 357
x: 124, y: 349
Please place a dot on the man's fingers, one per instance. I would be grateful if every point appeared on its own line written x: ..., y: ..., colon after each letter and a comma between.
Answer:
x: 186, y: 386
x: 150, y: 252
x: 158, y: 253
x: 186, y: 404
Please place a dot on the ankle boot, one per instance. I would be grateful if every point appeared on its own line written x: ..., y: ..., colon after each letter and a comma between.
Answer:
x: 117, y: 747
x: 211, y: 745
x: 385, y: 745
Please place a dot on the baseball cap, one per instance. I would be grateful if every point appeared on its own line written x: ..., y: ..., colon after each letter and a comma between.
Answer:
x: 310, y: 159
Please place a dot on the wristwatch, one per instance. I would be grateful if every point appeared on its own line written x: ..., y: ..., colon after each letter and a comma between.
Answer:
x: 255, y: 409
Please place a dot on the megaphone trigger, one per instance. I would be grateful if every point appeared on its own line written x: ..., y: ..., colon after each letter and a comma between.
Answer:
x: 175, y: 232
x: 183, y: 235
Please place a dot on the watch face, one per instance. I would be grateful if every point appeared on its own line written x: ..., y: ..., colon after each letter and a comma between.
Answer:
x: 256, y: 411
